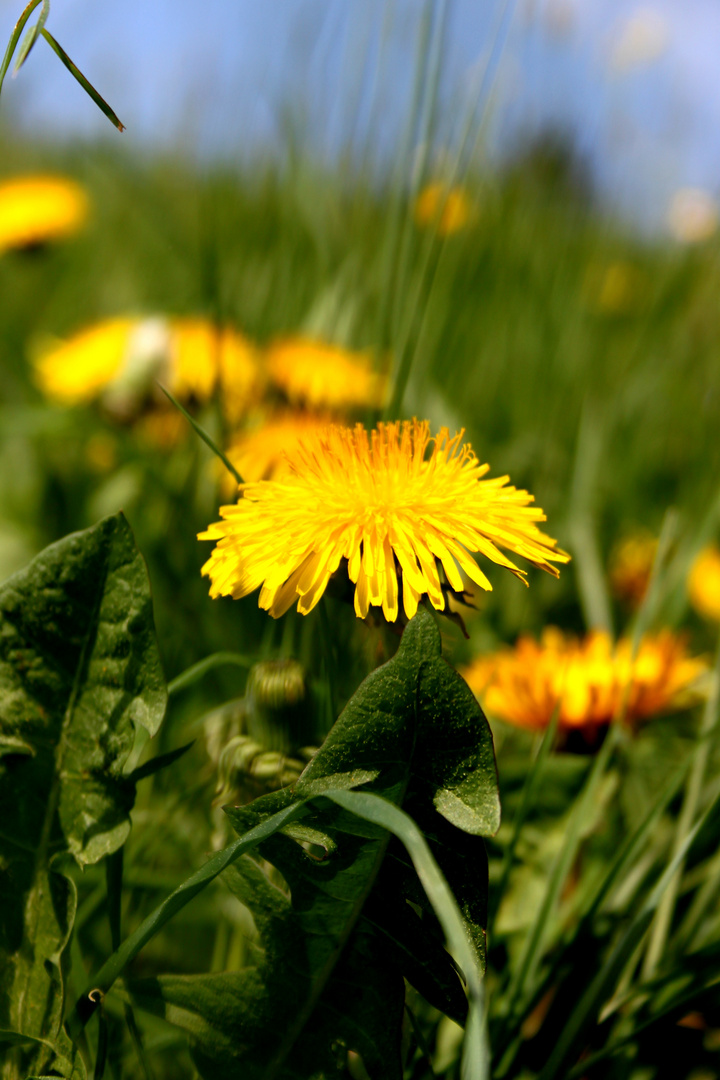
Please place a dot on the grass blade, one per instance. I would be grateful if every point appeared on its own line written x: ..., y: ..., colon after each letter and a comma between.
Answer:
x: 524, y: 976
x: 116, y: 964
x: 475, y: 1061
x: 601, y: 987
x: 78, y: 75
x: 203, y: 434
x: 31, y: 37
x: 693, y: 793
x: 15, y: 37
x: 157, y: 763
x: 193, y: 674
x: 529, y: 787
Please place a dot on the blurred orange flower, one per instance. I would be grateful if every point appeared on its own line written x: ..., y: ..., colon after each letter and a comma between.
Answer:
x: 588, y: 679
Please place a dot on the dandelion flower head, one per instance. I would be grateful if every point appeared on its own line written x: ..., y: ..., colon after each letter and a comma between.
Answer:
x: 117, y: 360
x: 204, y: 356
x: 77, y: 370
x: 400, y: 506
x: 589, y: 680
x: 704, y: 583
x: 318, y: 375
x: 38, y: 209
x: 449, y: 209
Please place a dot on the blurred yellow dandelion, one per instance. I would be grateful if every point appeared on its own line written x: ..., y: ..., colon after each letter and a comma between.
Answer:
x: 396, y: 503
x: 451, y: 208
x: 38, y: 209
x: 589, y: 679
x: 323, y: 376
x: 631, y: 564
x: 118, y: 361
x: 204, y: 357
x: 704, y: 583
x: 262, y: 453
x: 79, y: 369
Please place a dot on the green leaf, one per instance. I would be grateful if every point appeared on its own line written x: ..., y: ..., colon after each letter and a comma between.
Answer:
x: 286, y: 810
x: 337, y: 938
x: 257, y: 1019
x: 414, y: 721
x: 79, y: 677
x: 371, y: 808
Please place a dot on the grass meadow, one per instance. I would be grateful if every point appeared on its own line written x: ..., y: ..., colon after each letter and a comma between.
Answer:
x: 581, y: 358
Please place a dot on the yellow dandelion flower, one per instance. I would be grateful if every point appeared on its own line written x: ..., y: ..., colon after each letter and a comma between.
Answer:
x: 704, y: 583
x: 39, y: 209
x: 262, y: 453
x: 450, y: 208
x: 118, y: 361
x: 204, y: 357
x: 398, y: 505
x: 323, y: 376
x: 631, y: 564
x: 588, y: 679
x: 78, y: 370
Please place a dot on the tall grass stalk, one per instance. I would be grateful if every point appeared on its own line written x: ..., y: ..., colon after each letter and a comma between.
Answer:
x: 693, y: 796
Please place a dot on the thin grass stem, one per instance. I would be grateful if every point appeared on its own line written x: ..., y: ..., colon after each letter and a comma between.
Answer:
x: 693, y: 795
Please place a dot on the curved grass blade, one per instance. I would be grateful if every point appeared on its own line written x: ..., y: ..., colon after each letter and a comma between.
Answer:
x: 373, y: 808
x: 154, y: 765
x: 15, y: 37
x: 193, y: 674
x: 602, y: 985
x: 115, y: 965
x: 31, y: 37
x: 532, y: 953
x: 78, y: 75
x: 529, y: 788
x: 203, y: 434
x: 693, y: 793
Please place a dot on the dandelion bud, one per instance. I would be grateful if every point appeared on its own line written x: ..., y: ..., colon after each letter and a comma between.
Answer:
x: 277, y: 706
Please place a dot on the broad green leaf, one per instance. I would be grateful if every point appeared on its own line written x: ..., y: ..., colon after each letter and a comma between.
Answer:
x: 415, y: 721
x: 259, y: 1020
x: 79, y: 677
x: 336, y: 940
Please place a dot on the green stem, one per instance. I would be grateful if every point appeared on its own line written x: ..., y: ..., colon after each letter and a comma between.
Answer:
x: 195, y: 673
x: 329, y: 654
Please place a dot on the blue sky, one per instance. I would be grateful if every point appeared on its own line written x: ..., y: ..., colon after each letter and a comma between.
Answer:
x: 638, y: 83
